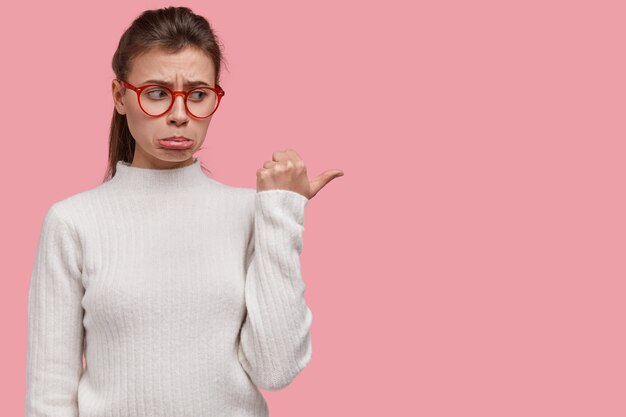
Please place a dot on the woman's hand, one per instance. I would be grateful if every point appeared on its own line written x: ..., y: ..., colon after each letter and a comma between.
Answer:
x: 287, y: 171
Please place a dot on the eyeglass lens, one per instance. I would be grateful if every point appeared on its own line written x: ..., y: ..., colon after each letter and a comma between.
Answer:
x: 156, y: 100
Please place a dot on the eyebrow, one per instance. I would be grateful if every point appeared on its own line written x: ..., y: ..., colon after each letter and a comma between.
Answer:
x: 169, y: 84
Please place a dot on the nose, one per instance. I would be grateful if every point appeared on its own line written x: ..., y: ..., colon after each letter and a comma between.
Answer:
x: 178, y: 113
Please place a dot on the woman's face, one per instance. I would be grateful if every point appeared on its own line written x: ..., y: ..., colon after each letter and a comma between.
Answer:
x: 189, y: 64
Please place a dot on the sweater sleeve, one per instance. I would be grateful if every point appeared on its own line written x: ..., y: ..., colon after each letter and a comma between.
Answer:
x: 275, y: 343
x: 55, y: 328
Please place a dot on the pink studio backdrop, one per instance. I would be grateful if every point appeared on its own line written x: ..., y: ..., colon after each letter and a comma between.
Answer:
x: 471, y: 260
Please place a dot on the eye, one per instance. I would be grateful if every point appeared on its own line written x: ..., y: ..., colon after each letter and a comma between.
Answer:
x: 197, y: 94
x: 157, y: 93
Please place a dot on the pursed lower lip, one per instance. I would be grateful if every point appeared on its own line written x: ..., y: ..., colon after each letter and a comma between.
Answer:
x: 175, y: 144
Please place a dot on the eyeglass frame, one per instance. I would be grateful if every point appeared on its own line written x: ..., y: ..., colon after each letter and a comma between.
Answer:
x: 219, y: 91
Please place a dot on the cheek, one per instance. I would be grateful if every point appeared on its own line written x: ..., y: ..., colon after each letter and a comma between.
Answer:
x: 204, y: 127
x: 201, y: 133
x: 140, y: 125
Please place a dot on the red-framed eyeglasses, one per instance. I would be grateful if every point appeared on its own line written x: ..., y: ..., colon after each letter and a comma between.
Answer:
x: 155, y: 100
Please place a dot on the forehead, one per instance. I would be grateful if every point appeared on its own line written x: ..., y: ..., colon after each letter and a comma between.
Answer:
x: 175, y: 68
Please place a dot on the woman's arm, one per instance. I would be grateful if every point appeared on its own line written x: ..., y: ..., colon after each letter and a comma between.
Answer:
x: 275, y: 343
x: 55, y: 328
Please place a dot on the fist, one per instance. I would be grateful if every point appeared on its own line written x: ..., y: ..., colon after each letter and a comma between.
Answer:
x: 287, y: 171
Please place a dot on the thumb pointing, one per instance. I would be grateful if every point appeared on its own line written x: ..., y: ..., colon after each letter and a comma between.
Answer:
x: 324, y: 178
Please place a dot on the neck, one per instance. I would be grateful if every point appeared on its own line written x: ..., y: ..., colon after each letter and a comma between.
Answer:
x: 158, y: 180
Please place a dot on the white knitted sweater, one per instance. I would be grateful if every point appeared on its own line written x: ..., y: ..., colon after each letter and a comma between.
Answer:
x: 184, y: 294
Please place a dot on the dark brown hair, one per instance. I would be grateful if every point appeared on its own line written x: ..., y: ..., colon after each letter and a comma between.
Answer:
x: 171, y: 29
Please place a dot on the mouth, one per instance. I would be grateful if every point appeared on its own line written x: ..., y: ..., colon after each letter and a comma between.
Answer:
x: 176, y: 142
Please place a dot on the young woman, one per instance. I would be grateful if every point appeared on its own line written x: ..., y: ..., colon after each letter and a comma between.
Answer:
x: 184, y: 294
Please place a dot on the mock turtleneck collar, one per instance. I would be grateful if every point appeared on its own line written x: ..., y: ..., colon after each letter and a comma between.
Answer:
x: 146, y: 179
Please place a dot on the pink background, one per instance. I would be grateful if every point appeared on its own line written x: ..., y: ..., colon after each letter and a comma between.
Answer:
x: 471, y: 260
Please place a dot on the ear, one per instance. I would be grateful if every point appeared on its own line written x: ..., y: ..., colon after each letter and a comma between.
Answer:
x: 118, y: 96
